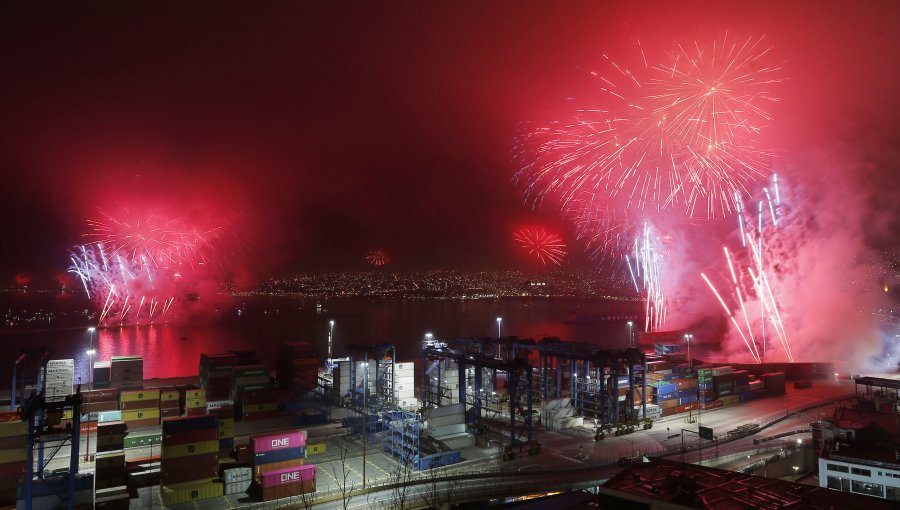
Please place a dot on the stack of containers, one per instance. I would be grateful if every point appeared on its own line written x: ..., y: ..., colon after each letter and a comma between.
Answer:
x: 169, y: 403
x: 288, y: 482
x: 126, y: 372
x: 194, y: 402
x: 298, y: 367
x: 190, y: 459
x: 706, y: 393
x: 257, y: 405
x: 94, y: 402
x: 52, y: 492
x: 215, y: 375
x: 773, y: 383
x: 273, y: 452
x: 667, y: 398
x: 237, y: 480
x: 226, y: 429
x: 101, y: 375
x: 13, y: 451
x: 249, y: 378
x: 110, y: 436
x: 723, y: 381
x: 741, y: 381
x: 404, y: 375
x: 110, y: 469
x: 140, y: 408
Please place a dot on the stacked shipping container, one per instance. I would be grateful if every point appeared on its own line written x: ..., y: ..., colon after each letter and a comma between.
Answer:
x: 13, y: 446
x: 140, y: 408
x: 126, y: 372
x: 277, y: 463
x: 298, y: 367
x: 190, y: 459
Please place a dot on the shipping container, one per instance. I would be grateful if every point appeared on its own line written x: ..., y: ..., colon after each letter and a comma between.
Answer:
x: 187, y: 449
x: 282, y: 440
x: 187, y: 492
x: 279, y: 455
x: 192, y: 423
x: 291, y: 475
x: 259, y: 469
x: 138, y: 395
x: 190, y: 436
x: 140, y: 414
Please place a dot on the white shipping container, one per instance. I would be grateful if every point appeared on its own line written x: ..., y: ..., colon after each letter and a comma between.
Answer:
x: 237, y: 487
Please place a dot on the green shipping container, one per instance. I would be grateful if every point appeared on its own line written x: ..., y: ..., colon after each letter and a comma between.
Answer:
x: 143, y: 440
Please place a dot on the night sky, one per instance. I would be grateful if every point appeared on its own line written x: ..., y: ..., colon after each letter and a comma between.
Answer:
x: 320, y: 130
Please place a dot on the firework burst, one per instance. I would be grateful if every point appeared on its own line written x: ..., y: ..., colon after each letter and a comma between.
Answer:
x: 135, y: 268
x: 680, y: 133
x: 377, y: 258
x: 541, y: 243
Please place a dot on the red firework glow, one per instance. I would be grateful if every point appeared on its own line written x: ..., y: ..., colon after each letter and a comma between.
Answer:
x: 136, y: 267
x: 539, y: 242
x: 377, y: 258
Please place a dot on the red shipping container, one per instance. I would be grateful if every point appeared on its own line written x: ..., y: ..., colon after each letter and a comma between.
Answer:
x: 275, y: 466
x: 269, y: 442
x: 12, y: 470
x: 186, y: 462
x: 95, y: 407
x: 291, y: 475
x: 286, y: 491
x: 105, y: 395
x: 190, y: 436
x: 197, y: 411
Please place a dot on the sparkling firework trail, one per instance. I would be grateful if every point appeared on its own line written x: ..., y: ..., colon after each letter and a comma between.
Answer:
x: 682, y: 132
x: 758, y: 284
x: 377, y: 258
x: 730, y: 316
x: 137, y: 261
x: 541, y: 243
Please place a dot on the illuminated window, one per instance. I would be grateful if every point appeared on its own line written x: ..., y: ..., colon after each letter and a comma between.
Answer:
x: 839, y: 484
x: 872, y: 489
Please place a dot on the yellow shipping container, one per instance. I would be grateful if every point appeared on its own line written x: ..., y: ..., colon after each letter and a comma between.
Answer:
x: 169, y: 395
x: 312, y: 449
x: 226, y: 428
x: 138, y: 395
x: 183, y: 450
x: 191, y: 491
x: 111, y: 459
x: 67, y: 414
x: 140, y: 414
x: 198, y: 393
x: 227, y: 460
x: 12, y: 455
x: 13, y: 428
x: 195, y: 403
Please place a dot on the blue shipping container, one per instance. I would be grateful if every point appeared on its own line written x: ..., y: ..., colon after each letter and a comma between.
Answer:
x: 226, y: 444
x: 190, y: 423
x: 667, y: 388
x: 705, y: 386
x: 687, y: 400
x: 57, y: 485
x: 687, y: 392
x: 279, y: 455
x: 668, y: 396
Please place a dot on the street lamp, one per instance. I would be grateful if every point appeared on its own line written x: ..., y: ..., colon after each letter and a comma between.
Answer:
x: 688, y: 337
x: 630, y: 335
x: 330, y: 337
x: 499, y: 322
x: 90, y: 353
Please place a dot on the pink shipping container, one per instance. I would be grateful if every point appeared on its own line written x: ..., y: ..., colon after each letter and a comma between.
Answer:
x: 291, y: 475
x: 269, y: 442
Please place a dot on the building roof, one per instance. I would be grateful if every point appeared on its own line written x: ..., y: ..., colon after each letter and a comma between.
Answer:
x: 880, y: 382
x: 715, y: 489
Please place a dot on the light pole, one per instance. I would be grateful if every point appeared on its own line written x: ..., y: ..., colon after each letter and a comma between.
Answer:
x: 330, y: 338
x: 688, y: 337
x: 90, y: 353
x: 630, y: 335
x: 499, y: 336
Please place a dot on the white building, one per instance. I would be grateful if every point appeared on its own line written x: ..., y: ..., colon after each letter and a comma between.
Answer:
x: 859, y: 450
